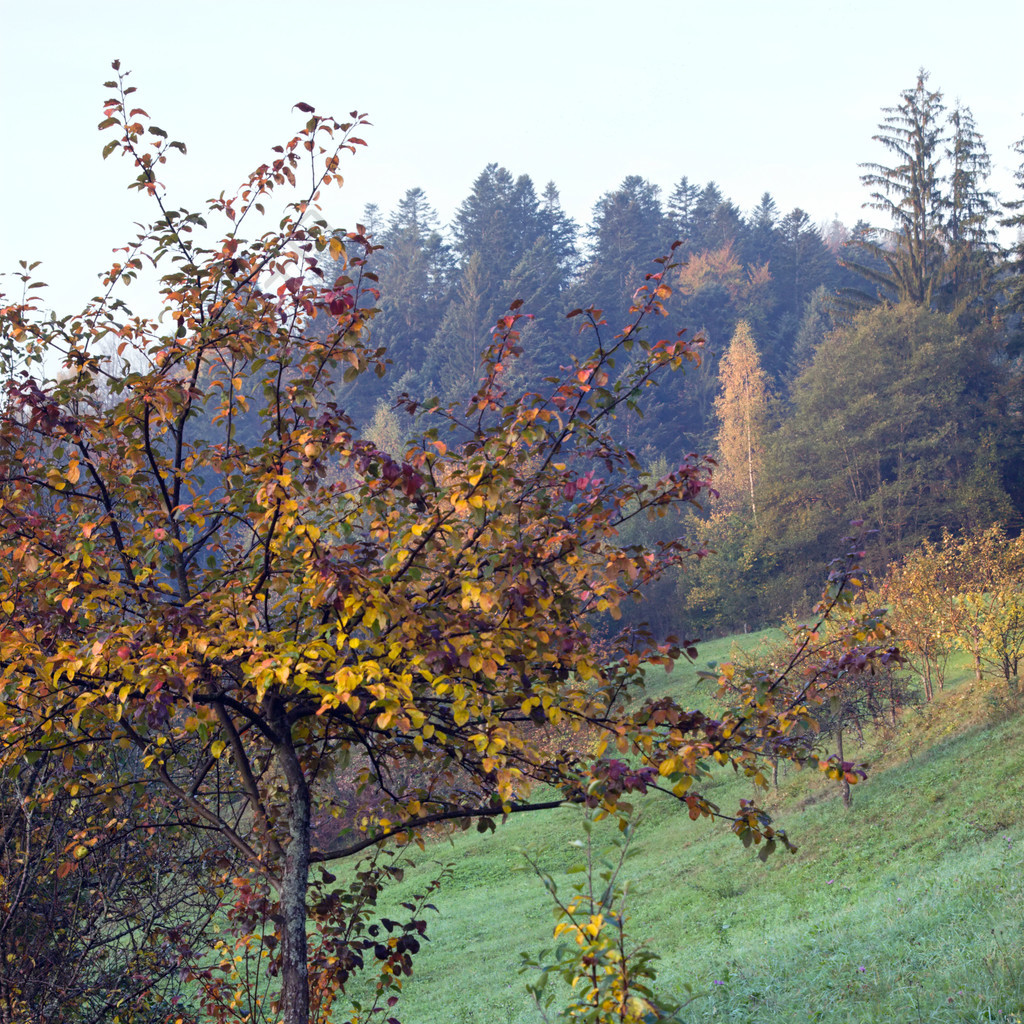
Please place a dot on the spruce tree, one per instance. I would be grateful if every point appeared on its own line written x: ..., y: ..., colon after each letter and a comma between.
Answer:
x: 681, y: 205
x: 1015, y: 257
x: 560, y: 230
x: 802, y: 263
x: 627, y: 232
x: 415, y: 269
x: 500, y: 219
x: 909, y: 193
x: 763, y: 239
x: 717, y: 221
x: 969, y: 212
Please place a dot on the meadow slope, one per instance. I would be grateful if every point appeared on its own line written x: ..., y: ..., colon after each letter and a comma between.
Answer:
x: 907, y: 907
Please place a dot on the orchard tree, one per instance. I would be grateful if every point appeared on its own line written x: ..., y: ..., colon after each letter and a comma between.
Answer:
x: 845, y: 650
x: 963, y: 591
x: 922, y: 611
x: 985, y: 570
x: 308, y: 648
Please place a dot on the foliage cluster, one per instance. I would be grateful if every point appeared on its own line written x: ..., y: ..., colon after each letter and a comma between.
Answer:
x: 963, y: 593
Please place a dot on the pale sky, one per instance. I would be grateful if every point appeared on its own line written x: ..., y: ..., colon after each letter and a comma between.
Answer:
x: 780, y: 97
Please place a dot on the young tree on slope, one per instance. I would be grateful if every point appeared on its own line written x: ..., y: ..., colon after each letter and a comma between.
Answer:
x: 249, y: 622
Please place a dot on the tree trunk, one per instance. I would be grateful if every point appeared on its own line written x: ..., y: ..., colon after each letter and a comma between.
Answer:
x: 294, y: 884
x: 750, y: 464
x: 839, y: 751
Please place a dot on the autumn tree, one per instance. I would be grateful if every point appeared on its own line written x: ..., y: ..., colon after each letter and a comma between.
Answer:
x: 984, y: 570
x: 245, y: 617
x: 741, y: 407
x: 923, y: 610
x: 963, y: 591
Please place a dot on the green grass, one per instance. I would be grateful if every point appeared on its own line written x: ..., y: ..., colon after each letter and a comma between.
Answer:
x: 909, y: 907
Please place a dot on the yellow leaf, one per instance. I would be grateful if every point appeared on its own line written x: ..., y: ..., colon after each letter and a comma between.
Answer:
x: 682, y: 786
x: 217, y: 748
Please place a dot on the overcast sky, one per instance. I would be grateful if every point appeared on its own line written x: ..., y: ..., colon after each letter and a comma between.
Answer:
x: 780, y: 97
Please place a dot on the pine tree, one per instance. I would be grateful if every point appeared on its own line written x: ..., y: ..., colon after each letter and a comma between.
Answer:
x: 741, y: 407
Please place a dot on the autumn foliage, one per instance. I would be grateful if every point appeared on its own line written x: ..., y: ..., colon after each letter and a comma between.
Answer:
x: 217, y: 597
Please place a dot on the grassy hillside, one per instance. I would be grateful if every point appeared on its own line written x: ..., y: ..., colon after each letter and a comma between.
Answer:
x: 908, y: 907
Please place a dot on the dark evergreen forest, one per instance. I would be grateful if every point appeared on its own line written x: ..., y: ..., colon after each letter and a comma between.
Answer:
x: 886, y: 354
